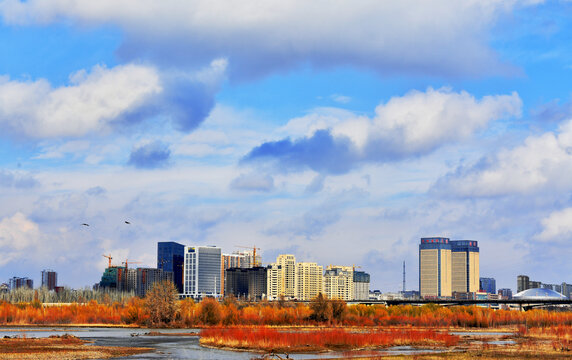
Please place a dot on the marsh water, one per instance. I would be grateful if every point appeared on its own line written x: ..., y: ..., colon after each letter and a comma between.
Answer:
x: 174, y: 346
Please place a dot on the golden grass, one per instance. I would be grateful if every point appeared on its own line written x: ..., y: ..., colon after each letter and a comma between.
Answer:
x: 60, y: 348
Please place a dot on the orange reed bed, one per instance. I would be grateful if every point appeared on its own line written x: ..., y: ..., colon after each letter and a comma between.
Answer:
x: 267, y: 339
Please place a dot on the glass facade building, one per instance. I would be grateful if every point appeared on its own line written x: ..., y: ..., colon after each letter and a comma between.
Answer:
x: 170, y: 257
x: 202, y: 271
x: 488, y: 285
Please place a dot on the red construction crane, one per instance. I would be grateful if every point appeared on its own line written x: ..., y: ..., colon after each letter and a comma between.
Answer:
x: 127, y: 261
x: 108, y: 258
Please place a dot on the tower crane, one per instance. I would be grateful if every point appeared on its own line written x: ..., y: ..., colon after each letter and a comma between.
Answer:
x: 108, y: 258
x: 126, y: 262
x: 254, y: 248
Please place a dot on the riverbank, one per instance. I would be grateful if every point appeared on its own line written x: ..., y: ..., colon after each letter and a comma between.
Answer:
x: 62, y: 347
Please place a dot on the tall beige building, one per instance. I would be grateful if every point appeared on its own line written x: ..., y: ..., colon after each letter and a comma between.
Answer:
x: 288, y: 265
x: 281, y: 278
x: 465, y: 266
x: 309, y: 280
x: 435, y: 267
x: 339, y: 282
x: 274, y: 282
x: 447, y: 266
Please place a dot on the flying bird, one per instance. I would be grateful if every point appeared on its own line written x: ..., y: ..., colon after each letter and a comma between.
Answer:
x: 127, y: 222
x: 84, y: 224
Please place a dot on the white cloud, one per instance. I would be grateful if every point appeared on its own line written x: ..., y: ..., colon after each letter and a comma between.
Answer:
x: 104, y: 99
x: 342, y: 99
x: 317, y: 119
x: 557, y: 226
x: 542, y: 162
x: 17, y: 234
x: 420, y: 121
x: 415, y: 123
x: 89, y: 104
x: 443, y: 36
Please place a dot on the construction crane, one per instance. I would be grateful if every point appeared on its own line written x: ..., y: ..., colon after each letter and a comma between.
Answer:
x: 356, y: 267
x: 126, y: 262
x: 108, y: 258
x: 254, y: 248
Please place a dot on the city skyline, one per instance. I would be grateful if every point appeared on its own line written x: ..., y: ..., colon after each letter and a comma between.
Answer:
x: 339, y: 133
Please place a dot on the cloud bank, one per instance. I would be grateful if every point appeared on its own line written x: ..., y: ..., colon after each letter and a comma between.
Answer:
x: 542, y: 162
x: 408, y: 126
x: 441, y: 37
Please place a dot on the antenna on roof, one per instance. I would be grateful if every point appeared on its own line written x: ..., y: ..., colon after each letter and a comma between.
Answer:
x: 404, y: 276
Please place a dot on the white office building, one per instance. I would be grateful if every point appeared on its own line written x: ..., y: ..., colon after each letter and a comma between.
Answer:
x: 202, y: 271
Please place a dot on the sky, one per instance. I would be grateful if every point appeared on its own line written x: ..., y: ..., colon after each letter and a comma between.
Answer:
x: 338, y: 131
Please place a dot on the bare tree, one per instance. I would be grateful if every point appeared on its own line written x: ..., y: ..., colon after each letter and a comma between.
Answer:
x: 162, y: 303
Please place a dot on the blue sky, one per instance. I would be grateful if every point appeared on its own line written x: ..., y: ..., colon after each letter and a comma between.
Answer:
x: 339, y: 132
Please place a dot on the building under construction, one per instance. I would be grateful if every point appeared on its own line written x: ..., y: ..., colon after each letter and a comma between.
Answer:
x: 139, y: 280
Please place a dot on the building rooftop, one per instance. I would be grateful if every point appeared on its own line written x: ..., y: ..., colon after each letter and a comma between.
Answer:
x: 538, y: 294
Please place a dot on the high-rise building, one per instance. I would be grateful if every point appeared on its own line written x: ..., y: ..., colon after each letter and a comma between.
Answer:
x: 131, y: 280
x: 257, y: 283
x: 339, y: 282
x: 488, y: 285
x: 505, y: 293
x: 232, y: 261
x: 49, y: 279
x: 447, y: 266
x: 361, y: 285
x: 229, y: 261
x: 170, y: 257
x: 464, y: 266
x: 522, y: 283
x: 246, y: 283
x: 250, y: 259
x: 148, y: 277
x: 566, y: 289
x: 281, y: 278
x: 115, y: 277
x: 18, y: 282
x: 435, y: 267
x: 202, y: 271
x: 287, y: 265
x: 309, y: 277
x: 274, y: 281
x: 236, y: 283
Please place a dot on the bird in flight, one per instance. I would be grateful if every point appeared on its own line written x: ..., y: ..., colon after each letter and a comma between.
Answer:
x: 84, y: 224
x: 127, y: 222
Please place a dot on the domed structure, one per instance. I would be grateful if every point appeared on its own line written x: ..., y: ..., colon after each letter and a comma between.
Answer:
x: 539, y: 294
